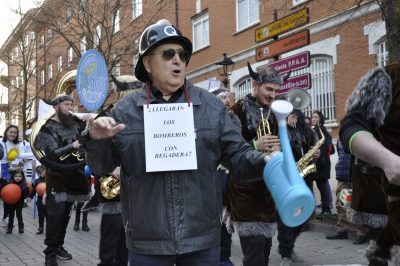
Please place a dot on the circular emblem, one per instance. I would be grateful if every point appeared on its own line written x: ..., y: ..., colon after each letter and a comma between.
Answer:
x: 170, y: 31
x: 92, y: 80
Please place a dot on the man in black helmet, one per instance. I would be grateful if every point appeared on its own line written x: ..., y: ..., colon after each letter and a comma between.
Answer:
x: 172, y: 211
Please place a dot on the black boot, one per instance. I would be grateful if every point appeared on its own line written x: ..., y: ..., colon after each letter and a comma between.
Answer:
x: 76, y: 225
x: 85, y: 227
x: 9, y: 230
x: 21, y: 230
x: 39, y: 231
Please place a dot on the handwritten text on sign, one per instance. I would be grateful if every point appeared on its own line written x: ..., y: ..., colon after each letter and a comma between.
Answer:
x: 169, y: 137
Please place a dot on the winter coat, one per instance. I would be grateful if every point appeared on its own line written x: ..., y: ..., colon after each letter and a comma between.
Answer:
x: 173, y: 212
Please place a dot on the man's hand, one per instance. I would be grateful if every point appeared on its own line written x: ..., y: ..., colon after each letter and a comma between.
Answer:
x: 117, y: 172
x: 316, y: 154
x: 76, y: 144
x: 268, y: 143
x: 104, y: 127
x: 28, y: 199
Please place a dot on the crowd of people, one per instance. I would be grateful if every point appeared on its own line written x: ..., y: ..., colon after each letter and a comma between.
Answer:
x: 186, y: 215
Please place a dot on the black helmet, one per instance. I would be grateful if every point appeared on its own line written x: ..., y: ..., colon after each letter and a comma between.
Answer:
x: 154, y: 35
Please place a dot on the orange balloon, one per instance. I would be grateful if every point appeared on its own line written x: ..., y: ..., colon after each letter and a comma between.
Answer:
x: 41, y: 188
x: 11, y: 193
x: 29, y: 187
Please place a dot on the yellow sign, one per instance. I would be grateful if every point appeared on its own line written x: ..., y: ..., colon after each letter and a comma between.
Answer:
x: 283, y: 25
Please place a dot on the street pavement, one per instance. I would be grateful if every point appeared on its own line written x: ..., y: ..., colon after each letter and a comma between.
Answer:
x: 27, y: 249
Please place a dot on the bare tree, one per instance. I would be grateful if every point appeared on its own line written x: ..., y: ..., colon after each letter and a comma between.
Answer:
x: 20, y: 55
x: 106, y: 25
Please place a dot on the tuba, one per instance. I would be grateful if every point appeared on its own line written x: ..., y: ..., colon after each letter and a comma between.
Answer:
x: 66, y: 85
x: 293, y: 199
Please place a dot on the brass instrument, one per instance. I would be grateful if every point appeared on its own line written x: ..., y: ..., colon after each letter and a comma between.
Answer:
x: 263, y: 128
x: 109, y: 186
x: 303, y: 164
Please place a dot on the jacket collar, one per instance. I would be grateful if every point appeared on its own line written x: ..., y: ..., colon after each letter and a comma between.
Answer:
x: 194, y: 95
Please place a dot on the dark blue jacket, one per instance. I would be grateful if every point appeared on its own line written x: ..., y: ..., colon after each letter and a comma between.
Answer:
x: 342, y: 167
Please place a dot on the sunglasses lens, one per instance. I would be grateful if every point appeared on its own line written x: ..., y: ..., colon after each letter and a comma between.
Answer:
x: 183, y: 56
x: 170, y: 53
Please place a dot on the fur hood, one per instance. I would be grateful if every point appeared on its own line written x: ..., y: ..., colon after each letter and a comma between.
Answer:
x: 372, y: 96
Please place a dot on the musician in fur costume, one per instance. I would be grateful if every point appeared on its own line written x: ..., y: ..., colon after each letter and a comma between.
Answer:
x: 251, y: 207
x: 370, y: 131
x: 65, y: 179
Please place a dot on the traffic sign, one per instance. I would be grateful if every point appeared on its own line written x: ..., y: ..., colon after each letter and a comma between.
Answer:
x: 283, y: 25
x: 301, y: 81
x: 291, y: 63
x: 283, y: 45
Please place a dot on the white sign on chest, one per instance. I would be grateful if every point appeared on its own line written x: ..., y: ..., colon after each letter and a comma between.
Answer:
x: 169, y: 137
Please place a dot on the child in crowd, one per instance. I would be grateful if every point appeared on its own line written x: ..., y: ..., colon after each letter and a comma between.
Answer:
x: 18, y: 178
x: 41, y: 208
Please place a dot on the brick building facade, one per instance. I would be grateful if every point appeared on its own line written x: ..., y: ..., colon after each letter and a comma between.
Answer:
x: 345, y: 41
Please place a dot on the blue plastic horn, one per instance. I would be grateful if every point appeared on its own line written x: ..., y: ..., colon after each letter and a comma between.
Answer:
x: 293, y: 199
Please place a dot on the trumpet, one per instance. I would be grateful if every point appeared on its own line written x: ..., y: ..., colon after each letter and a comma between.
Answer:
x: 109, y: 186
x: 263, y: 128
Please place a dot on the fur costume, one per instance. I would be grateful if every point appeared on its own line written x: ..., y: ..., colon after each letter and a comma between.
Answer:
x: 375, y: 106
x: 251, y: 207
x: 54, y: 140
x: 374, y: 102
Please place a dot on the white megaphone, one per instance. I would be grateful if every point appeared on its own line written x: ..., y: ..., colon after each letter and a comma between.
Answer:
x: 293, y: 199
x: 299, y: 98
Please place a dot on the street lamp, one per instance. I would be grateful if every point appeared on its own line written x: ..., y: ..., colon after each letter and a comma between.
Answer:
x: 225, y: 68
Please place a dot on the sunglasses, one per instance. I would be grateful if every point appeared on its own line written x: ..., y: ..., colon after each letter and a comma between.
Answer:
x: 168, y: 54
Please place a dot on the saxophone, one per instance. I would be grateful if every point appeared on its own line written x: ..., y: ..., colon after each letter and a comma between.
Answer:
x: 304, y: 166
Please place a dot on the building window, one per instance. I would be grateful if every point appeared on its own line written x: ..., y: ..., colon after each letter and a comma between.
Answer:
x: 49, y: 71
x: 116, y: 21
x: 42, y: 41
x: 69, y: 56
x: 11, y: 56
x: 83, y: 45
x: 247, y: 13
x: 382, y: 56
x: 26, y: 40
x: 33, y: 36
x: 59, y: 64
x: 21, y: 74
x: 16, y: 52
x: 298, y: 2
x: 198, y: 6
x: 32, y: 67
x: 17, y: 81
x: 97, y: 36
x: 82, y: 5
x: 49, y: 35
x: 137, y: 8
x: 200, y: 32
x: 42, y: 81
x: 31, y: 105
x: 242, y: 88
x: 69, y: 11
x: 12, y: 83
x: 322, y: 91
